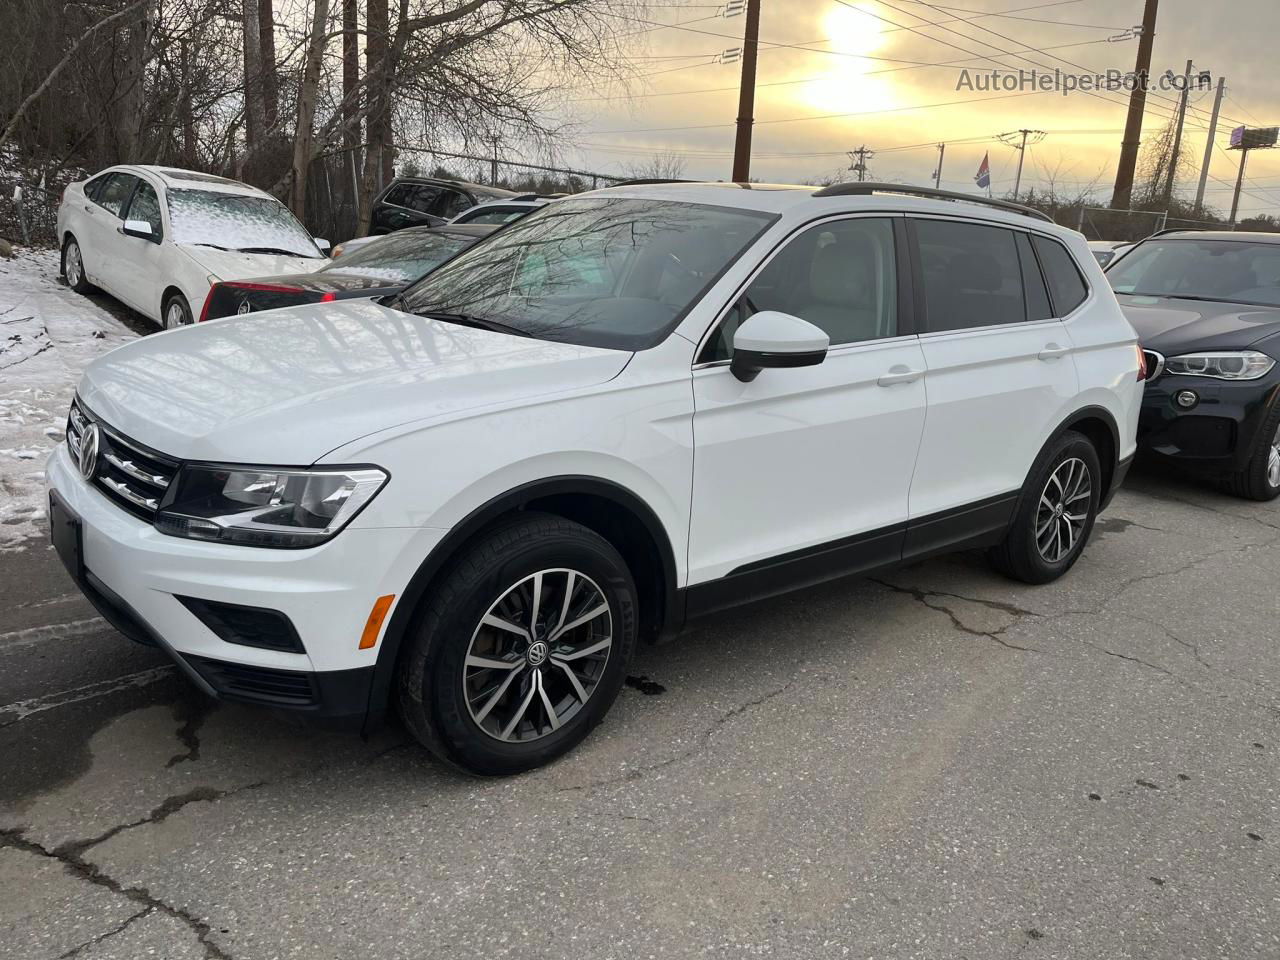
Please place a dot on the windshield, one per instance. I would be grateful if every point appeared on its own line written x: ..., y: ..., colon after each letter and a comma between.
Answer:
x: 232, y: 221
x: 400, y: 257
x: 1232, y: 271
x: 606, y: 272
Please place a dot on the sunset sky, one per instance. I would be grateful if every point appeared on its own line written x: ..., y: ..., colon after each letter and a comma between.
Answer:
x: 869, y: 75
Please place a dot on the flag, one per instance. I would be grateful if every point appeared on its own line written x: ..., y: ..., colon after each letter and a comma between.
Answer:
x: 983, y: 177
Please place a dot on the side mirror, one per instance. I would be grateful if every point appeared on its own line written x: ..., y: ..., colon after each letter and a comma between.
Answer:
x: 138, y: 228
x: 323, y: 244
x: 774, y: 339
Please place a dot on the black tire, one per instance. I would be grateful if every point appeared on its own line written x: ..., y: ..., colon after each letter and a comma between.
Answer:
x: 1020, y: 554
x: 432, y: 671
x: 175, y: 312
x: 76, y: 279
x: 1253, y: 482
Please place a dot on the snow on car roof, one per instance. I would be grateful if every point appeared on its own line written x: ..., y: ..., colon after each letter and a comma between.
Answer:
x: 178, y: 179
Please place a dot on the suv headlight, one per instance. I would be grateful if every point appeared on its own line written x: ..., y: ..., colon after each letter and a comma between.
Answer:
x: 264, y: 506
x: 1224, y: 365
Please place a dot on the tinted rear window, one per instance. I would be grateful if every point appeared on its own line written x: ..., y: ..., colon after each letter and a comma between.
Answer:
x: 1066, y: 286
x: 972, y: 275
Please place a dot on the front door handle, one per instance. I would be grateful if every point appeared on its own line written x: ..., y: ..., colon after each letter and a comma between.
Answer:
x: 899, y: 373
x: 1053, y: 351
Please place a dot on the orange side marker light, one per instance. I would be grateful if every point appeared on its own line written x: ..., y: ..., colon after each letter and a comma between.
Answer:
x: 373, y: 626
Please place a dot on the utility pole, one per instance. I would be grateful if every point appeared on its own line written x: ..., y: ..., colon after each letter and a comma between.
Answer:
x: 1177, y: 135
x: 493, y: 164
x: 1122, y: 195
x: 1021, y: 147
x: 937, y: 174
x: 747, y: 95
x: 1208, y: 145
x: 860, y: 158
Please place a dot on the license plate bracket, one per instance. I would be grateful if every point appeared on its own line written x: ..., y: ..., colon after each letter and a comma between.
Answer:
x: 67, y: 534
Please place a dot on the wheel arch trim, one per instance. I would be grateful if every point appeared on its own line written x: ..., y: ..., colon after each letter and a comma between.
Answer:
x: 473, y: 523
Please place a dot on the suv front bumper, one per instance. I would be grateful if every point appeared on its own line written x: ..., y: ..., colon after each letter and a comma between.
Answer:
x: 134, y: 575
x: 1219, y: 431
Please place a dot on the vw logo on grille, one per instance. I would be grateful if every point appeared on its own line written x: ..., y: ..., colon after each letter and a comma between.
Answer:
x: 245, y: 307
x: 538, y: 651
x: 89, y: 451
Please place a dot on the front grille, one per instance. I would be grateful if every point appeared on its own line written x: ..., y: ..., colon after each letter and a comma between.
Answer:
x: 266, y: 685
x: 1155, y: 363
x: 132, y: 475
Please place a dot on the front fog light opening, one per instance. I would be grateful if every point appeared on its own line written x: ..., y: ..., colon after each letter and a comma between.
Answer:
x: 266, y: 507
x: 1186, y: 399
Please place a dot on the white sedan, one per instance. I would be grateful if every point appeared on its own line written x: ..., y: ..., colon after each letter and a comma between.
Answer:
x: 158, y: 238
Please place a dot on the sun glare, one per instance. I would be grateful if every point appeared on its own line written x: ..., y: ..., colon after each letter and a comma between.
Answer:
x: 850, y: 85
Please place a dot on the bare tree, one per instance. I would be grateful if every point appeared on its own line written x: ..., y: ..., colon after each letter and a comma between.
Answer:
x: 302, y: 141
x: 667, y: 165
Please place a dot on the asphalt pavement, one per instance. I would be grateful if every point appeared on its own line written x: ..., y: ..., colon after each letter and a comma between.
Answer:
x: 937, y: 763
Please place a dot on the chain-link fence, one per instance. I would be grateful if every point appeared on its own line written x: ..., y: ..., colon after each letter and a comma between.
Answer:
x: 1103, y: 223
x: 28, y: 213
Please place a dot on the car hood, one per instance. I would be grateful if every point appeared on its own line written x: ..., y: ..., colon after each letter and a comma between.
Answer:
x: 334, y: 281
x: 318, y: 376
x: 1172, y: 326
x: 234, y: 265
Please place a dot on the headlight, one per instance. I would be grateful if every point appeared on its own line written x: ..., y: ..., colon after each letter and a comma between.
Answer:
x: 1227, y: 365
x: 336, y: 252
x: 265, y: 507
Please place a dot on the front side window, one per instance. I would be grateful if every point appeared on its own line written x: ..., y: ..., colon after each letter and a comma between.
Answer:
x: 230, y: 221
x: 605, y: 272
x: 842, y: 277
x: 416, y: 196
x: 1229, y: 271
x: 399, y: 257
x: 972, y: 275
x: 114, y: 192
x: 145, y: 206
x: 1066, y: 286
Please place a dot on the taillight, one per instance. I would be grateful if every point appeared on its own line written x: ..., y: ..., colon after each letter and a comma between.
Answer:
x: 328, y: 297
x: 266, y: 287
x: 1142, y: 364
x: 204, y: 311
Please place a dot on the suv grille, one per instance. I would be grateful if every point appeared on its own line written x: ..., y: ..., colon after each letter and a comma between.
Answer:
x: 132, y: 475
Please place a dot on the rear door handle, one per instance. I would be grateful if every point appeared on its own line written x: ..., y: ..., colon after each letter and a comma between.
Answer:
x: 1053, y: 351
x: 899, y: 373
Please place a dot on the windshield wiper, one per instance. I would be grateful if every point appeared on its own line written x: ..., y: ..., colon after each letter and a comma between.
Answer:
x: 480, y: 323
x: 214, y: 245
x: 280, y: 250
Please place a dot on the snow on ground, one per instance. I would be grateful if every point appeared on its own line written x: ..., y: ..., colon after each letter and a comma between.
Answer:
x: 48, y: 334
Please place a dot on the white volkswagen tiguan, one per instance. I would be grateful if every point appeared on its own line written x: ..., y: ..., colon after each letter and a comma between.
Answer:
x: 631, y: 408
x: 158, y: 238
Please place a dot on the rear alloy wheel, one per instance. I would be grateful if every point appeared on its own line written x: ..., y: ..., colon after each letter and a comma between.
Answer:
x: 521, y: 648
x: 73, y: 267
x: 1260, y: 478
x: 1055, y: 513
x: 176, y: 312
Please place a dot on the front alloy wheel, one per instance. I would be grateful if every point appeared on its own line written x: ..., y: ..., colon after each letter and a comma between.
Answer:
x: 537, y: 655
x: 73, y: 267
x: 521, y: 647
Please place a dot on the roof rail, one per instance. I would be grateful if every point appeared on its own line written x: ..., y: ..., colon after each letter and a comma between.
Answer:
x: 855, y: 189
x: 1161, y: 233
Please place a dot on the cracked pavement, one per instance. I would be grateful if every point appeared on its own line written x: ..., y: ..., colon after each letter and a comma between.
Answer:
x: 935, y: 763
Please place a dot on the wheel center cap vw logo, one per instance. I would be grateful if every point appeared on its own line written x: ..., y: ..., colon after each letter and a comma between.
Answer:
x: 1058, y: 510
x: 538, y: 652
x: 89, y: 451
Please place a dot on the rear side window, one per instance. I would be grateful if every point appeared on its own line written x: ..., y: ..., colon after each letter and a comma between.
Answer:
x: 451, y: 203
x: 972, y: 275
x: 1066, y: 286
x: 115, y: 190
x: 1038, y: 307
